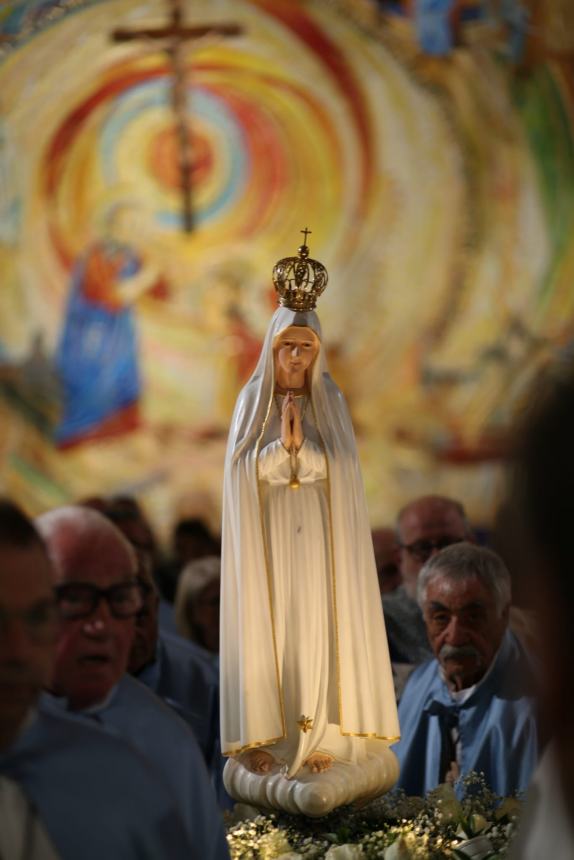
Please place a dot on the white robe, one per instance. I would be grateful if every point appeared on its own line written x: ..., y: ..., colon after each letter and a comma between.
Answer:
x: 22, y: 833
x: 304, y: 658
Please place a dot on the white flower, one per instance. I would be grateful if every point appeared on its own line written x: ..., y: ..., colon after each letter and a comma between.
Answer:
x: 344, y: 852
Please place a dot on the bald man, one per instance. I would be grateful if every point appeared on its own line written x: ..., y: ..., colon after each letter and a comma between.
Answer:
x: 424, y: 526
x: 99, y: 597
x: 66, y: 790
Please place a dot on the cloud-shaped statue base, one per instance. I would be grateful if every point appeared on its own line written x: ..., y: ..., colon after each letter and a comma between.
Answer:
x: 315, y: 794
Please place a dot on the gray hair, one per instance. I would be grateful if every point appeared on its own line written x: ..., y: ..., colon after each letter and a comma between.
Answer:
x: 72, y: 525
x: 463, y: 561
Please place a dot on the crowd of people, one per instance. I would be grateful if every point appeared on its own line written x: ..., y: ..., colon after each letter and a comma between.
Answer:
x: 109, y: 691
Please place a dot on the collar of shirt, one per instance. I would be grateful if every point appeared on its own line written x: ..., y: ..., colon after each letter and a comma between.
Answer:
x: 96, y: 709
x: 61, y: 703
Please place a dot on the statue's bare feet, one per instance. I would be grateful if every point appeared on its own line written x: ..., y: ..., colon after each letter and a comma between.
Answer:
x: 257, y: 761
x: 318, y: 762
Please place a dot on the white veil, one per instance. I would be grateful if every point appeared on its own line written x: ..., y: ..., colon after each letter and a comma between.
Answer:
x: 251, y: 696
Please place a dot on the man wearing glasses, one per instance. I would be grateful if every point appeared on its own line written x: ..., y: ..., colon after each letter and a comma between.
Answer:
x: 424, y: 526
x: 66, y: 790
x: 98, y: 597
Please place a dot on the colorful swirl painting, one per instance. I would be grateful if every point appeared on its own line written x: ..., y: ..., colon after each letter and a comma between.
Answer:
x: 438, y: 187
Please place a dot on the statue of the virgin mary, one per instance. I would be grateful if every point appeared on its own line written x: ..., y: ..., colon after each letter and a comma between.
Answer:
x: 307, y: 700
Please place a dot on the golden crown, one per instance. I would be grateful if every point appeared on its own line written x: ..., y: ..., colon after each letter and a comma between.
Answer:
x: 299, y: 281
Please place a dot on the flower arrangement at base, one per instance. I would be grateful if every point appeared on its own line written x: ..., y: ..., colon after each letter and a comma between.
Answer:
x: 479, y: 825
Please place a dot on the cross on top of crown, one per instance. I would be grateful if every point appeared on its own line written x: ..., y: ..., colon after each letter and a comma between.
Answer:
x: 305, y: 232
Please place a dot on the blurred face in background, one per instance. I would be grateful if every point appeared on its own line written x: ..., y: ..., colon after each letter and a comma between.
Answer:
x: 143, y: 650
x: 427, y: 526
x: 387, y: 557
x: 28, y: 626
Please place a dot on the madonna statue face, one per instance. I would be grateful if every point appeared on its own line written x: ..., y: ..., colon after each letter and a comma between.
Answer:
x: 295, y: 350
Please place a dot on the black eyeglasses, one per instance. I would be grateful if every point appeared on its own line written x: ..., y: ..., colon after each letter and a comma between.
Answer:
x: 80, y: 599
x: 423, y: 549
x: 39, y: 621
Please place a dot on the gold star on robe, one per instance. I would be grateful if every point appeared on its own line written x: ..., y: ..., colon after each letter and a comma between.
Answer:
x: 305, y: 723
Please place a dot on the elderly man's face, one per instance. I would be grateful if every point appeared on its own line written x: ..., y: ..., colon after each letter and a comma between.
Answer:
x: 27, y: 633
x: 387, y: 559
x: 426, y: 527
x: 92, y: 651
x: 464, y: 628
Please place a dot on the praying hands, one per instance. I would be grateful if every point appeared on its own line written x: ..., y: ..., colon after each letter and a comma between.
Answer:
x: 291, y: 427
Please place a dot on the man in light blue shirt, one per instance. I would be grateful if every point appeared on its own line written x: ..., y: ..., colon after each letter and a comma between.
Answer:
x: 181, y: 673
x: 99, y: 596
x: 471, y: 708
x: 87, y: 794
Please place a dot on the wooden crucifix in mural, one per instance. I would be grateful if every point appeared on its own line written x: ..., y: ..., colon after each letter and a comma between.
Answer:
x: 175, y: 34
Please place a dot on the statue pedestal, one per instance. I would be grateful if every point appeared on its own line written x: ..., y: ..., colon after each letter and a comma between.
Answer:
x: 315, y: 794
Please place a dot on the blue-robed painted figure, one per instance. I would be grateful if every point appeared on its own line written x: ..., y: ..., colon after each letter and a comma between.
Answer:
x: 97, y: 354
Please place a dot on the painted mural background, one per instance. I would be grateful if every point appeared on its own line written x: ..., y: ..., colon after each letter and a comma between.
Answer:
x: 431, y: 157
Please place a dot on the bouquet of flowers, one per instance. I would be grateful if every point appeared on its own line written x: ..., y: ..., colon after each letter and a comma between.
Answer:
x: 469, y: 822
